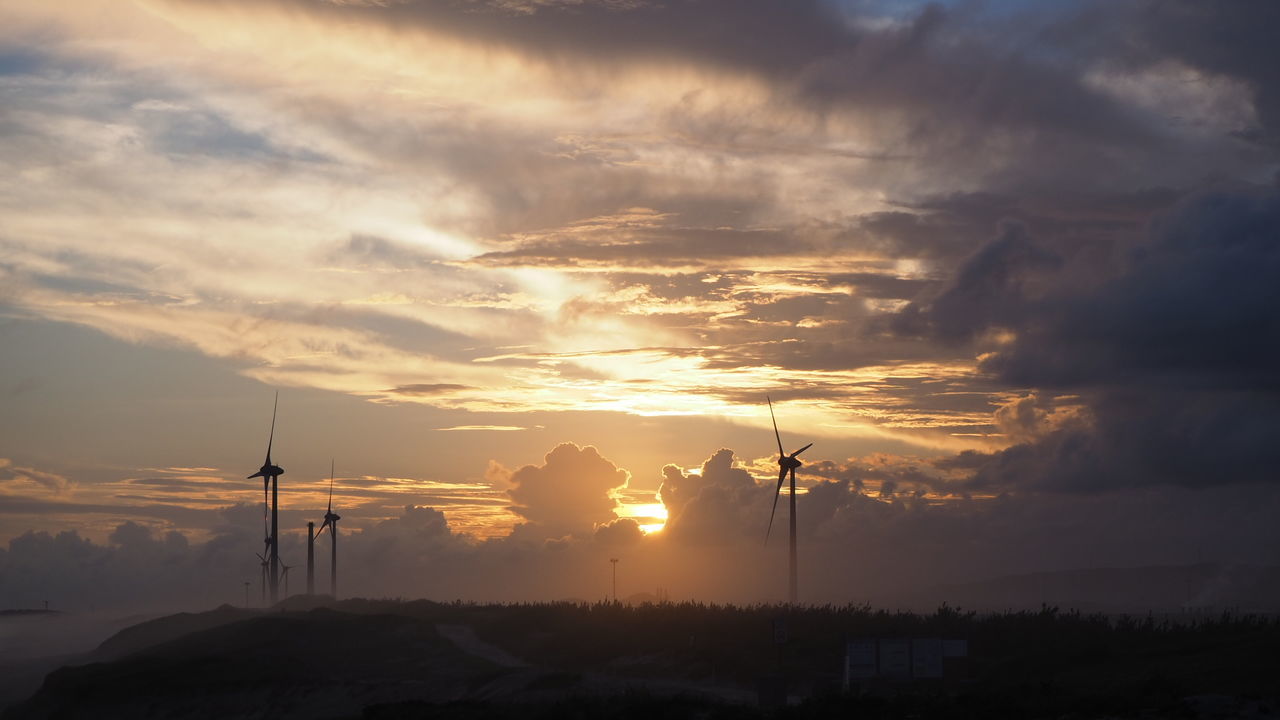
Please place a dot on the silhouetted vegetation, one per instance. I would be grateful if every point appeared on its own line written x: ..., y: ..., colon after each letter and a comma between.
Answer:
x: 395, y: 660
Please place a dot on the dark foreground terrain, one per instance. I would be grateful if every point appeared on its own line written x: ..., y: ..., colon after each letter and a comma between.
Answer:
x: 386, y: 659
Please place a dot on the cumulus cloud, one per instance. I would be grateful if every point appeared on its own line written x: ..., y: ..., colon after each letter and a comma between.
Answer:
x: 721, y: 502
x: 569, y: 493
x: 622, y: 531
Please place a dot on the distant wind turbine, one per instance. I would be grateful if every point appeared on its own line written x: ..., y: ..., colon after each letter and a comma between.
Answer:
x: 331, y: 519
x: 312, y: 534
x: 786, y: 464
x: 270, y: 474
x: 284, y: 573
x: 265, y: 565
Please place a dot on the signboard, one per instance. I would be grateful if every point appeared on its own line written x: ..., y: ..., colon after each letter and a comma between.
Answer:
x: 926, y: 658
x: 895, y: 659
x: 780, y: 630
x: 859, y: 660
x: 955, y: 648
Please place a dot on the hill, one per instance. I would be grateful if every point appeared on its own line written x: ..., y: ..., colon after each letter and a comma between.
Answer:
x: 393, y: 659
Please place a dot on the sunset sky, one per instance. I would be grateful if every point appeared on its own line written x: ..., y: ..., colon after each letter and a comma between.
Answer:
x: 527, y: 269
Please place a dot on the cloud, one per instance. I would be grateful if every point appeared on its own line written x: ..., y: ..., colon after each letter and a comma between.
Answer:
x: 720, y: 503
x: 25, y: 480
x: 569, y: 493
x: 427, y: 389
x: 1173, y: 352
x: 646, y: 208
x: 621, y: 532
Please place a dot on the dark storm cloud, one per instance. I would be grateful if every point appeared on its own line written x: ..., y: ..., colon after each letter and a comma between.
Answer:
x: 1194, y: 306
x: 1006, y: 99
x: 937, y: 229
x: 1233, y: 38
x: 805, y: 45
x: 1174, y: 352
x: 764, y: 35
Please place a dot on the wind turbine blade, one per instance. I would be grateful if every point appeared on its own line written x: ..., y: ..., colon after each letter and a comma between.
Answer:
x: 271, y: 438
x: 773, y: 512
x: 806, y: 447
x: 330, y: 485
x: 781, y: 452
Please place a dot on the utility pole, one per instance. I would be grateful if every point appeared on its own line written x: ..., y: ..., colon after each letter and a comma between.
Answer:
x: 615, y: 578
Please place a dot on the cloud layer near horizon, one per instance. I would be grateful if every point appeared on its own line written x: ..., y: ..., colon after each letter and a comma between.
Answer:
x: 894, y: 547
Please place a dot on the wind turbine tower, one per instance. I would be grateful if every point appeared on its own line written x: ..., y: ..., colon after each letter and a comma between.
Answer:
x: 270, y: 474
x: 786, y: 464
x: 311, y: 558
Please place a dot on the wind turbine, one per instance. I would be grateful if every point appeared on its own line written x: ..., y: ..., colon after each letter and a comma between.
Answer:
x: 331, y: 519
x: 270, y: 474
x: 284, y: 573
x: 265, y: 564
x: 786, y: 464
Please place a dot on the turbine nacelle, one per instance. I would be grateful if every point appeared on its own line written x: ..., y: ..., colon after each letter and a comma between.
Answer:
x: 268, y: 470
x: 789, y: 462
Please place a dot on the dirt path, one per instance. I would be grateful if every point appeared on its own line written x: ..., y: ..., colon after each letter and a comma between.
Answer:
x: 465, y: 639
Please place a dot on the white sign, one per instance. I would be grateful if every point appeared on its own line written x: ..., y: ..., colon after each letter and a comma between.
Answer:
x: 895, y: 659
x: 780, y: 631
x: 926, y: 658
x: 860, y: 659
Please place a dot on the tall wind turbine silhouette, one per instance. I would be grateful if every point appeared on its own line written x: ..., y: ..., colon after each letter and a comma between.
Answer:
x: 270, y: 474
x: 786, y: 464
x: 331, y: 519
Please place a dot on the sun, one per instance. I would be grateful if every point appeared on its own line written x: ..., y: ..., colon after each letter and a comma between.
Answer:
x: 651, y: 517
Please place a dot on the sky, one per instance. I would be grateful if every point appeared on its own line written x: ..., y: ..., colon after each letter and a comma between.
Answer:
x: 525, y: 272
